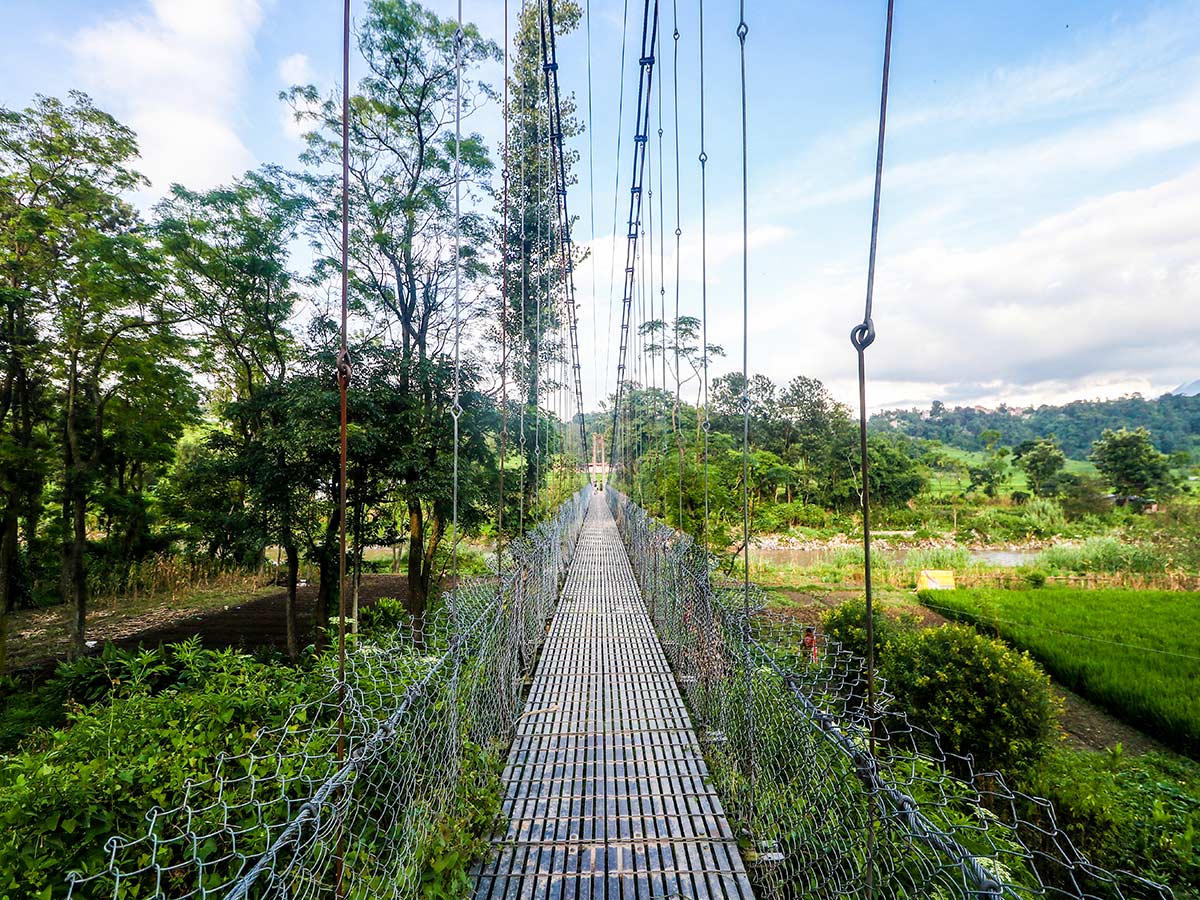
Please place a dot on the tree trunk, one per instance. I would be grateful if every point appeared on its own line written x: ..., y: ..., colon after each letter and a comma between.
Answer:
x: 290, y: 611
x: 9, y: 576
x: 74, y: 574
x: 418, y: 594
x: 327, y: 573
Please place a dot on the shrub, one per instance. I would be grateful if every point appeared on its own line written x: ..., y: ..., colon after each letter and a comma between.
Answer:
x: 1035, y: 578
x: 1132, y: 813
x: 847, y: 624
x: 385, y: 615
x: 1044, y: 516
x: 982, y: 697
x: 69, y: 790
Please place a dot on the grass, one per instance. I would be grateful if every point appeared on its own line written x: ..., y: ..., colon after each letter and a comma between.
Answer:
x: 1100, y: 554
x: 1134, y: 652
x: 943, y: 483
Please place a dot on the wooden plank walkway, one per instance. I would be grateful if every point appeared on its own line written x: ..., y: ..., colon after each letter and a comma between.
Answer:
x: 606, y: 791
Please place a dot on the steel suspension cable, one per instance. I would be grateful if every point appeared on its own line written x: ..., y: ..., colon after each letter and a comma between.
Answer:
x: 343, y: 380
x: 587, y: 18
x: 645, y: 82
x: 742, y: 31
x: 503, y: 316
x: 456, y: 409
x: 523, y: 191
x: 706, y: 425
x: 676, y: 430
x: 861, y: 337
x: 567, y: 253
x: 612, y: 255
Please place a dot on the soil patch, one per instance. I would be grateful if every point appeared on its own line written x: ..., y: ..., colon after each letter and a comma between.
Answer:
x: 250, y: 625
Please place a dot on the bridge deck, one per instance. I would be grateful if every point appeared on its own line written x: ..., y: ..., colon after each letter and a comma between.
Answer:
x: 606, y: 791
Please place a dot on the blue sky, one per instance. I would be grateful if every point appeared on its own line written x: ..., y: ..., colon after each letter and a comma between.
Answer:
x: 1039, y: 236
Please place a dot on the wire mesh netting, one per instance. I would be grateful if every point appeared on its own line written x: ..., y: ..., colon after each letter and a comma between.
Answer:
x: 421, y: 720
x: 787, y: 732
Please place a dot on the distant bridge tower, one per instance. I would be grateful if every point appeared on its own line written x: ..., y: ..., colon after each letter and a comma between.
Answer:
x: 598, y: 467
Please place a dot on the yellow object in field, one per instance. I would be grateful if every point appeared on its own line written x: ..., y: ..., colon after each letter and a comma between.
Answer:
x: 935, y: 580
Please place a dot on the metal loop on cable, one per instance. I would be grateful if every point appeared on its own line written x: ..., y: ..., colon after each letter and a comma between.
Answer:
x: 344, y: 368
x: 742, y: 30
x: 862, y: 335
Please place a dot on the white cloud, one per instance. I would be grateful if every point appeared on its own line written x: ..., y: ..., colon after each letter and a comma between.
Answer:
x: 295, y: 69
x: 1089, y: 302
x: 174, y: 72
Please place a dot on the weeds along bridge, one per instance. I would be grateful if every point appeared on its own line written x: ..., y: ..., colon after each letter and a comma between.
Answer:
x: 658, y: 744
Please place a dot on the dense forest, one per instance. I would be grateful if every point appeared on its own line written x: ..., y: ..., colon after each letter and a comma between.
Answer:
x: 1174, y: 420
x: 167, y: 375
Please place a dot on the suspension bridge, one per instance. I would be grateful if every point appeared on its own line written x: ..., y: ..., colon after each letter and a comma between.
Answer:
x: 603, y: 716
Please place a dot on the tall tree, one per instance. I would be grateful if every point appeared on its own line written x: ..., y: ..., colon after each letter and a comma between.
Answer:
x: 79, y: 264
x: 534, y: 307
x: 229, y: 253
x: 1129, y: 461
x: 402, y: 162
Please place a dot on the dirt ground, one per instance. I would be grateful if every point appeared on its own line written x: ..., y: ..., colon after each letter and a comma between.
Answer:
x: 246, y: 625
x: 1085, y: 726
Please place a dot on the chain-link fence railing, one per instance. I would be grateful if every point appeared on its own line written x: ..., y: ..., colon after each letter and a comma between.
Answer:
x: 787, y: 731
x: 420, y: 723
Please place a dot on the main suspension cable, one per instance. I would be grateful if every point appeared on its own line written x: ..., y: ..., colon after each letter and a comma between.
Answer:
x: 612, y: 254
x: 567, y: 252
x: 645, y: 82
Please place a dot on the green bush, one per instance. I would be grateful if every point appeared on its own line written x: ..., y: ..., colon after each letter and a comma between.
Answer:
x: 981, y: 697
x: 384, y: 616
x: 70, y: 789
x: 847, y: 624
x: 1132, y: 813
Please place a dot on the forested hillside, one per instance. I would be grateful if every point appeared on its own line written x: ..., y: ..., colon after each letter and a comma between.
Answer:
x: 1172, y: 420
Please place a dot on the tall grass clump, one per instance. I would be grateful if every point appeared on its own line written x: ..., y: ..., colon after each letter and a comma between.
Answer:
x: 939, y: 558
x: 1100, y: 554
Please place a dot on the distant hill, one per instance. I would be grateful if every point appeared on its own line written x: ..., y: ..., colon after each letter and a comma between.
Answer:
x: 1173, y: 421
x: 1191, y: 389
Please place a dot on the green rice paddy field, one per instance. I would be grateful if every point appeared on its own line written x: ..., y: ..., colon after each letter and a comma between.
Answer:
x: 1136, y: 653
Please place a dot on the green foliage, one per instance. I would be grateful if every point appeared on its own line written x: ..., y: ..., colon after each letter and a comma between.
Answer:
x: 382, y: 617
x: 1174, y: 421
x: 1132, y: 813
x: 1100, y: 554
x: 71, y: 788
x: 846, y: 623
x: 980, y: 696
x: 462, y: 835
x: 1136, y: 653
x: 1130, y: 463
x: 939, y: 558
x: 1042, y: 460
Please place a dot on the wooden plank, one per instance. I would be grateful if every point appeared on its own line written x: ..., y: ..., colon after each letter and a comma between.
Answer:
x: 607, y: 794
